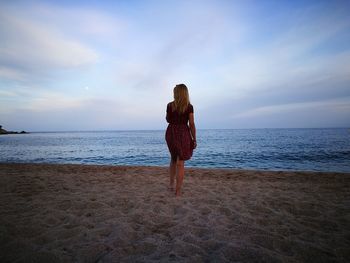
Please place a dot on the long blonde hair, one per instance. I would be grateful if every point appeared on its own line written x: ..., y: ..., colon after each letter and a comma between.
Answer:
x: 181, y: 98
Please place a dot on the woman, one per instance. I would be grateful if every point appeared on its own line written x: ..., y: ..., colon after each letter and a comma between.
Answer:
x: 180, y: 138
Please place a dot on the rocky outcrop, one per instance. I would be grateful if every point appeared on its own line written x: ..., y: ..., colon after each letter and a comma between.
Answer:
x: 3, y: 131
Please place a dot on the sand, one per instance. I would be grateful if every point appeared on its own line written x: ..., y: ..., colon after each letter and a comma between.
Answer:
x: 85, y: 213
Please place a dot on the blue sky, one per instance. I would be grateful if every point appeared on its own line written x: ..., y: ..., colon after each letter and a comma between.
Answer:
x: 112, y: 65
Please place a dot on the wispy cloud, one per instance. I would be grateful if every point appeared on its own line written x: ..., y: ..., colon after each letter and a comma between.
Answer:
x: 10, y: 73
x: 29, y: 47
x: 293, y: 54
x: 339, y: 104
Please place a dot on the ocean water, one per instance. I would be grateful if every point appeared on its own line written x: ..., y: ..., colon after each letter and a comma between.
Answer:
x: 263, y: 149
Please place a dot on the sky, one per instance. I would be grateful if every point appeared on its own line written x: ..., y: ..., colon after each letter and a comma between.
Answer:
x: 112, y: 65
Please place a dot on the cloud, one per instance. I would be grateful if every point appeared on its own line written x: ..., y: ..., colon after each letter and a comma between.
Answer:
x: 339, y: 104
x: 301, y: 50
x: 167, y: 50
x: 81, y: 21
x: 10, y: 73
x: 55, y: 112
x: 327, y: 113
x: 29, y: 47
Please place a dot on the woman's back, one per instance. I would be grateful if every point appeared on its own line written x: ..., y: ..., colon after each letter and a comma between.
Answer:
x: 174, y: 117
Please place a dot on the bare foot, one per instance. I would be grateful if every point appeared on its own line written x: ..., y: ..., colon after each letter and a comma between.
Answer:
x: 177, y: 193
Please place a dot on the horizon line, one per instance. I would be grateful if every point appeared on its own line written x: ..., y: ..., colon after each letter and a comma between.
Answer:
x: 125, y: 130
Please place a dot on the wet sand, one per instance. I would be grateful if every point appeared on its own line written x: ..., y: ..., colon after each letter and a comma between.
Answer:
x: 85, y: 213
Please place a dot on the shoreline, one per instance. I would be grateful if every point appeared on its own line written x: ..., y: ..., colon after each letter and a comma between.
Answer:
x: 187, y: 168
x: 99, y: 213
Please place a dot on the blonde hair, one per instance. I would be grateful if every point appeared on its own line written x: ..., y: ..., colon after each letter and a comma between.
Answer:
x: 181, y: 98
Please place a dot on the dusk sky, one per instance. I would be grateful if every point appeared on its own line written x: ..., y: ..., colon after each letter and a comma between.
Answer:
x: 112, y: 65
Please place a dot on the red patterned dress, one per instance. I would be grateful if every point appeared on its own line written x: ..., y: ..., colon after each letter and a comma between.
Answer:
x: 178, y: 135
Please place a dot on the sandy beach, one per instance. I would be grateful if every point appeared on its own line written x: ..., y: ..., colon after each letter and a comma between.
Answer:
x: 86, y: 213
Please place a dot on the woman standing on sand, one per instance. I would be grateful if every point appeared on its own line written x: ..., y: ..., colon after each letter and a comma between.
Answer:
x: 180, y: 138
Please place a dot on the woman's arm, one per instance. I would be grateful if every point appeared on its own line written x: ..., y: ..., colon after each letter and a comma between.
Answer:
x: 193, y: 129
x: 167, y: 113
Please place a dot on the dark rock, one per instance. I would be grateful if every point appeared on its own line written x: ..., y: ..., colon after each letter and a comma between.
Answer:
x: 3, y: 131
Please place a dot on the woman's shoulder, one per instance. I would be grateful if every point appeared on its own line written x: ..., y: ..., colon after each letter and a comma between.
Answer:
x: 190, y: 108
x: 169, y: 106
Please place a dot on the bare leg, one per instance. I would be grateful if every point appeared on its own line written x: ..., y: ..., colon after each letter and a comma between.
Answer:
x: 180, y: 165
x: 172, y: 173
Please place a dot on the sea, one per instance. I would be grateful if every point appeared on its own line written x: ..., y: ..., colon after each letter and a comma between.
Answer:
x: 319, y: 149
